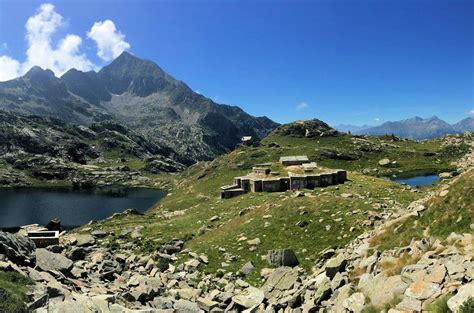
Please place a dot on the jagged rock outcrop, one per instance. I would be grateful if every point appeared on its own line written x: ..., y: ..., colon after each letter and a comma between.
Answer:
x: 306, y: 128
x: 17, y: 248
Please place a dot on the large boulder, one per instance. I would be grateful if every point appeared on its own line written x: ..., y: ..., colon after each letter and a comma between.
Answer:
x: 49, y: 261
x: 465, y: 293
x: 185, y: 306
x: 249, y: 298
x: 17, y: 248
x: 282, y: 257
x: 54, y: 224
x: 335, y: 265
x: 381, y: 289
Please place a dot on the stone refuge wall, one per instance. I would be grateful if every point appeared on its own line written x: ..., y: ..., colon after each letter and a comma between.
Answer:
x: 278, y: 184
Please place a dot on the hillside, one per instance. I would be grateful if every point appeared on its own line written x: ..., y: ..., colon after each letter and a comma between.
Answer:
x: 140, y: 94
x: 38, y: 150
x: 194, y: 249
x: 195, y: 195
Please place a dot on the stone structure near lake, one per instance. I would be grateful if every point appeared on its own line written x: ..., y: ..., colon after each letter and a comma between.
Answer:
x: 262, y: 179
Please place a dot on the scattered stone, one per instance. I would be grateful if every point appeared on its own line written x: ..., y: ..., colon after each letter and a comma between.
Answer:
x: 335, y: 265
x: 84, y: 240
x: 355, y: 303
x: 409, y: 304
x: 282, y: 257
x: 254, y: 242
x: 249, y: 298
x: 247, y: 268
x: 422, y: 290
x: 384, y: 162
x: 185, y: 306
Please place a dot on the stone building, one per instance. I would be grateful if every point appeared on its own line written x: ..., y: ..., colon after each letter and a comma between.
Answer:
x: 254, y: 183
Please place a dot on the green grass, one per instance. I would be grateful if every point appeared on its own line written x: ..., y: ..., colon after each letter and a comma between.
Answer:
x: 452, y: 213
x: 412, y: 157
x: 194, y: 198
x: 440, y: 305
x: 13, y: 287
x: 196, y: 195
x: 468, y: 306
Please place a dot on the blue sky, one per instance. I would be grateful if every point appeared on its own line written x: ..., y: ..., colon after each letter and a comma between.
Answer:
x: 343, y: 61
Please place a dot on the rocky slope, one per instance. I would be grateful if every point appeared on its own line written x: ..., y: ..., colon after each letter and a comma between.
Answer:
x: 141, y: 95
x: 45, y: 149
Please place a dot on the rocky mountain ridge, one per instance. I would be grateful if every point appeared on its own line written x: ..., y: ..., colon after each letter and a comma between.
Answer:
x: 141, y: 95
x: 46, y: 148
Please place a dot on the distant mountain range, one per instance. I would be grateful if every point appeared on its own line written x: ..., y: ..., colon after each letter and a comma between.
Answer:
x: 351, y: 128
x: 413, y: 128
x: 139, y: 94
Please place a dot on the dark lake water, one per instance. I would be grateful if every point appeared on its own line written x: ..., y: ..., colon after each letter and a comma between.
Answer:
x: 418, y: 180
x: 22, y: 206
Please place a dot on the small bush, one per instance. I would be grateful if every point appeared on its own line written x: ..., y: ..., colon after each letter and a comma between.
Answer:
x: 468, y: 306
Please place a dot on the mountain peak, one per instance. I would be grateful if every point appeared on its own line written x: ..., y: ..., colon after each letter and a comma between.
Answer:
x: 37, y: 71
x: 137, y: 76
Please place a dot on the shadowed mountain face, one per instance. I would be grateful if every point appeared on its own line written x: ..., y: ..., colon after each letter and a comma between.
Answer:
x: 413, y: 128
x: 139, y: 94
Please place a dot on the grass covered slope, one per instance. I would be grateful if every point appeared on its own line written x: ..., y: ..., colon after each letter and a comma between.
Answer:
x: 325, y: 217
x: 12, y: 291
x: 450, y: 210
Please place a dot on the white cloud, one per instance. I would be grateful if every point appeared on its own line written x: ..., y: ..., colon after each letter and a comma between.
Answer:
x: 65, y: 53
x: 376, y: 119
x: 9, y: 68
x: 471, y: 112
x: 110, y: 42
x: 302, y: 105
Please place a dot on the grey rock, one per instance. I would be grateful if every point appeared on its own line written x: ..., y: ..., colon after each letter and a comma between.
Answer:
x: 409, y: 304
x: 38, y: 302
x: 249, y: 298
x: 381, y: 289
x: 355, y: 303
x: 77, y: 254
x: 282, y: 278
x: 247, y: 268
x: 84, y: 240
x: 162, y: 303
x: 49, y: 261
x: 184, y: 306
x: 335, y: 265
x: 17, y: 248
x: 282, y: 257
